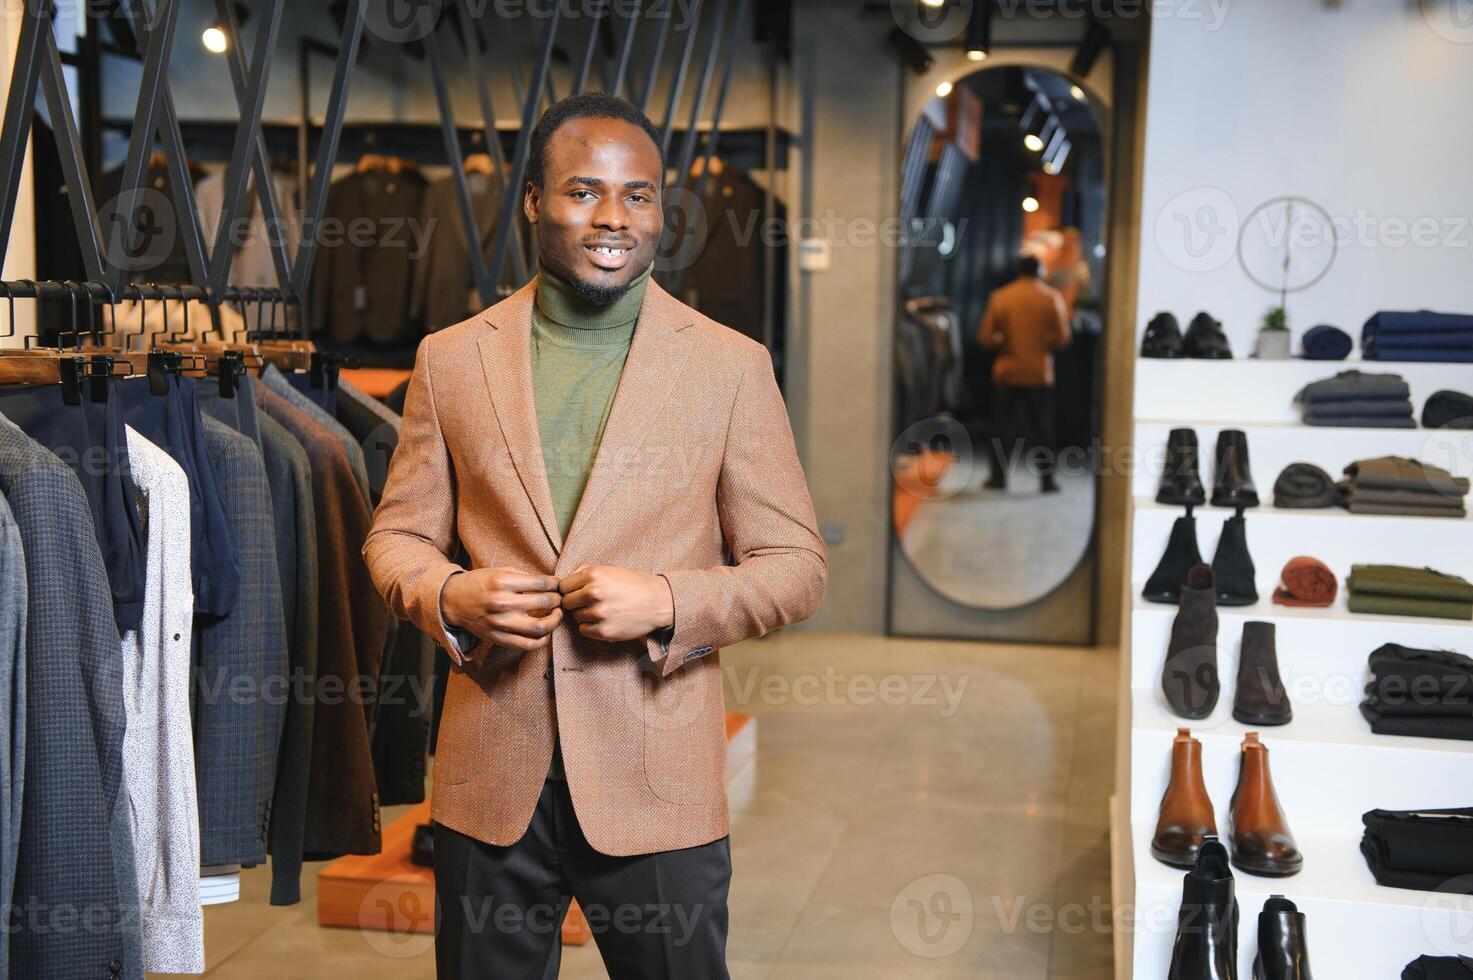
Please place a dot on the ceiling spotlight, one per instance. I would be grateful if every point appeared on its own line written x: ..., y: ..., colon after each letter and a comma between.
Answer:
x: 1033, y: 121
x: 1056, y: 155
x: 1077, y: 93
x: 1033, y: 141
x: 216, y: 37
x: 979, y: 31
x: 913, y: 54
x: 943, y: 90
x: 1049, y: 168
x: 1030, y: 204
x: 1096, y: 37
x: 933, y: 4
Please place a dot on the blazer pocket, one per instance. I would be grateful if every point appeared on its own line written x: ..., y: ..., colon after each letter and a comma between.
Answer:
x: 685, y: 734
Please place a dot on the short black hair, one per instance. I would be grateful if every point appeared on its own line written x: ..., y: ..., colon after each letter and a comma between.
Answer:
x: 1028, y: 265
x: 594, y: 105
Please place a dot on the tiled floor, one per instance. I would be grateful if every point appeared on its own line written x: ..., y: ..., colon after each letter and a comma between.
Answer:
x: 918, y: 808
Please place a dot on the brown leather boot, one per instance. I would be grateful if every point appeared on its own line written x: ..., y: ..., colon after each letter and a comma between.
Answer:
x: 1262, y: 842
x: 1186, y: 812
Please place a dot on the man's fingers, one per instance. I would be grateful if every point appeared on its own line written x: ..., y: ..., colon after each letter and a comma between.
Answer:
x: 578, y: 598
x: 523, y: 601
x: 574, y: 580
x: 514, y: 581
x: 526, y: 644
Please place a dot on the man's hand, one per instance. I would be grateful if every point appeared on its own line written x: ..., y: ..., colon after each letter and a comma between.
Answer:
x: 612, y: 603
x: 504, y: 606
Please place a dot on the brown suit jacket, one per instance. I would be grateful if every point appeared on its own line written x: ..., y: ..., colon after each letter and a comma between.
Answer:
x: 1025, y: 323
x: 697, y: 464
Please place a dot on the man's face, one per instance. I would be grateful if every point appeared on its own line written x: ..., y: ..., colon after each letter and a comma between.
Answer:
x: 598, y: 215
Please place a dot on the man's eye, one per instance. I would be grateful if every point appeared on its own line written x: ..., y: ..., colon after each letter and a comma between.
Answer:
x: 638, y: 197
x: 576, y: 193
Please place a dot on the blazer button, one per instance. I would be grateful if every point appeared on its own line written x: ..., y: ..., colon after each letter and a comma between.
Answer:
x: 115, y: 967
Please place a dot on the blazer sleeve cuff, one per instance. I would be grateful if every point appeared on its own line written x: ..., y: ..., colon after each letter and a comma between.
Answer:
x: 430, y: 617
x: 671, y: 647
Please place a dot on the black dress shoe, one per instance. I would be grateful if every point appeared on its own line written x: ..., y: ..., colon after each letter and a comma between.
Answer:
x: 1163, y: 337
x: 1232, y: 481
x: 1260, y: 698
x: 1283, y: 953
x: 1206, y: 946
x: 1232, y: 566
x: 1189, y: 676
x: 1181, y: 481
x: 422, y: 846
x: 1205, y: 339
x: 1181, y: 554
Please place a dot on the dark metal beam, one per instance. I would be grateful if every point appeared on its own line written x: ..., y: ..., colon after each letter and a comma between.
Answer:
x: 19, y: 106
x: 510, y: 206
x: 260, y: 159
x: 485, y: 282
x: 472, y: 39
x: 649, y: 78
x: 155, y: 62
x: 677, y: 88
x: 74, y: 171
x: 327, y: 147
x: 625, y: 49
x: 246, y: 137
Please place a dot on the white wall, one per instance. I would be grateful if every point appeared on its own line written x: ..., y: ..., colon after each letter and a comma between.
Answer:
x: 1362, y: 108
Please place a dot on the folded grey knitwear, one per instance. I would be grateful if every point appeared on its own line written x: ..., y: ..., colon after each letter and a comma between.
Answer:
x: 1406, y: 510
x: 1354, y: 384
x: 1412, y: 498
x: 1361, y: 406
x: 1363, y: 421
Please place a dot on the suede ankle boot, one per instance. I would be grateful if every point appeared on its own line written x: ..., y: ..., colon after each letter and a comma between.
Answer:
x: 1262, y: 842
x: 1206, y: 946
x: 1232, y: 566
x: 1260, y: 698
x: 1185, y: 820
x: 1189, y: 677
x: 1232, y: 481
x: 1181, y: 482
x: 1180, y: 555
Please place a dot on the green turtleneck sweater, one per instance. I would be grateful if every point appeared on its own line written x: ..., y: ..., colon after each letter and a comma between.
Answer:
x: 578, y: 354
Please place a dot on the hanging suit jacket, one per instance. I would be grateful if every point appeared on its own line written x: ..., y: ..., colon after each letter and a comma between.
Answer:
x: 12, y: 704
x: 697, y: 462
x: 76, y: 847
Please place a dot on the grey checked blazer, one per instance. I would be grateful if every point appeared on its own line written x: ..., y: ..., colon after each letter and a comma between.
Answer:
x: 12, y: 704
x: 76, y: 849
x: 236, y: 737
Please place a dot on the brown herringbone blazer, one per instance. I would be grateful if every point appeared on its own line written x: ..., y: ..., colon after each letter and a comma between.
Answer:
x: 696, y: 479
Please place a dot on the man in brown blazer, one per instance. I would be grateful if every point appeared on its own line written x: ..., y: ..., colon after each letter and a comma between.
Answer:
x: 582, y: 744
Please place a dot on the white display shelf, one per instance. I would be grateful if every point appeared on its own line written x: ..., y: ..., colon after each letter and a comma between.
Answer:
x: 1328, y: 768
x: 1334, y: 536
x: 1249, y: 391
x: 1377, y: 771
x: 1323, y: 643
x: 1271, y: 447
x: 1354, y: 927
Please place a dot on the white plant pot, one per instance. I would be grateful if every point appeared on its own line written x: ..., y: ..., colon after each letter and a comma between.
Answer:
x: 1272, y: 345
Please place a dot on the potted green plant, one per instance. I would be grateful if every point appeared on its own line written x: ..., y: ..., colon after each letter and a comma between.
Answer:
x: 1273, y: 336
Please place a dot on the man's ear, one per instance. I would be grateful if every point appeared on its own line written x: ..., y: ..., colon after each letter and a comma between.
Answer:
x: 532, y: 202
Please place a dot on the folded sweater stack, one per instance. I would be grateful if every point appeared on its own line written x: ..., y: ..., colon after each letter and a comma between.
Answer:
x: 1397, y: 485
x: 1422, y: 693
x: 1417, y: 336
x: 1428, y: 850
x: 1355, y: 398
x: 1396, y: 590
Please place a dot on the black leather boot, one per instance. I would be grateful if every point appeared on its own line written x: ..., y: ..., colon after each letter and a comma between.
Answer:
x: 1181, y: 554
x: 1232, y: 566
x: 1260, y: 698
x: 1181, y: 482
x: 1204, y: 338
x: 1206, y: 945
x: 1189, y: 676
x: 1283, y: 953
x: 1163, y: 337
x: 1232, y: 482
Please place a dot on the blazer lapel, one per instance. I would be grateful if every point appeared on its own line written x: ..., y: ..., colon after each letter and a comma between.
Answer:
x: 657, y: 355
x: 506, y: 358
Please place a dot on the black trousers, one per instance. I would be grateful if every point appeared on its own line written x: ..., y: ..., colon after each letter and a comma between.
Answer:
x: 1038, y: 404
x: 499, y: 910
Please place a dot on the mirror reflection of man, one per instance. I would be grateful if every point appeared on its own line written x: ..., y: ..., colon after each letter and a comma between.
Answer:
x: 1025, y: 323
